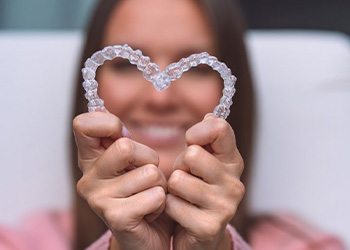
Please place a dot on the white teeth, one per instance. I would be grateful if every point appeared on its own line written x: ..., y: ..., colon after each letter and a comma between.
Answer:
x: 157, y: 131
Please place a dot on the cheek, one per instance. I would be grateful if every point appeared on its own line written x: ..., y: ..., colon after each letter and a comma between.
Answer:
x: 119, y: 93
x: 202, y: 97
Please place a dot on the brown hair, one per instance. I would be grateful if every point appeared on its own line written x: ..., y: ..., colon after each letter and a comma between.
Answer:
x: 228, y: 26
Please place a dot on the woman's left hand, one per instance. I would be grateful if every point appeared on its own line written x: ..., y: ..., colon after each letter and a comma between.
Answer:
x: 205, y: 188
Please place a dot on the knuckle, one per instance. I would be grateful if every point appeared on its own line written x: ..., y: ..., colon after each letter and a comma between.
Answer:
x: 240, y: 160
x: 125, y: 148
x: 115, y: 125
x: 228, y: 208
x: 113, y: 218
x: 151, y: 172
x: 77, y: 122
x: 95, y: 202
x: 234, y: 194
x: 81, y: 187
x: 115, y: 121
x: 85, y: 164
x: 238, y: 165
x: 191, y: 154
x: 175, y: 179
x: 222, y: 127
x: 188, y: 134
x: 154, y: 156
x: 224, y: 203
x: 210, y: 230
x: 91, y: 194
x: 159, y: 194
x: 238, y: 188
x: 103, y: 191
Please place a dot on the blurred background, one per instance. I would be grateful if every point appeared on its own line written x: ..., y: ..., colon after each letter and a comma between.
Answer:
x: 263, y: 14
x: 300, y: 56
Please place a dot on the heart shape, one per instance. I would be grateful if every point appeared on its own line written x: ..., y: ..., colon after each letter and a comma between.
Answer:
x: 151, y: 72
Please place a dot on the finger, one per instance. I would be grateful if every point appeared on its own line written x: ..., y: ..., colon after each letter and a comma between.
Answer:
x: 122, y: 154
x: 190, y: 188
x: 154, y: 215
x: 223, y: 198
x: 202, y: 164
x: 186, y: 214
x: 135, y: 181
x: 126, y: 214
x: 146, y: 202
x: 217, y: 133
x: 89, y: 128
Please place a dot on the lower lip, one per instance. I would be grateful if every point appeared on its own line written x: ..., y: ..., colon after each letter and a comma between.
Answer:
x: 153, y: 140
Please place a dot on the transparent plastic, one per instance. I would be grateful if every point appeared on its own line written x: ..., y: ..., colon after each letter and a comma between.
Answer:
x: 160, y: 79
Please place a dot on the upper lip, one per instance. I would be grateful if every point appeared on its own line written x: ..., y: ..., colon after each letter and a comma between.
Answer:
x: 159, y: 123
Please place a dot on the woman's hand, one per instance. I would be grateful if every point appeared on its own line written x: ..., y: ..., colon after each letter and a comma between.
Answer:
x: 122, y: 183
x: 204, y: 190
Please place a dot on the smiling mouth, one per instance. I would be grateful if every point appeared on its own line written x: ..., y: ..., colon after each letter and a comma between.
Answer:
x: 161, y: 131
x: 158, y: 135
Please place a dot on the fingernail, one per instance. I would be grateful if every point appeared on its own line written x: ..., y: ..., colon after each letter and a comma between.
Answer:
x: 126, y: 132
x: 207, y: 116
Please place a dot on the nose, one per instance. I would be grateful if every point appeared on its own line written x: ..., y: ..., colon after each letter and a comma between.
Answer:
x: 165, y: 101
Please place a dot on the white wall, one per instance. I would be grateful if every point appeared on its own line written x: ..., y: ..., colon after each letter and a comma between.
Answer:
x: 36, y: 72
x: 302, y: 153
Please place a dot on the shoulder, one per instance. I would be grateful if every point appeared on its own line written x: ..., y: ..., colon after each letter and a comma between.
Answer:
x: 40, y: 230
x: 288, y: 232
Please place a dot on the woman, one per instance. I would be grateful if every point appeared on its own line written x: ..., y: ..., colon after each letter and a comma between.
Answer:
x: 160, y: 121
x: 166, y: 36
x: 175, y: 195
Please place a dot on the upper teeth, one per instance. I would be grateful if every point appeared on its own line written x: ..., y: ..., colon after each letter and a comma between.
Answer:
x: 161, y: 131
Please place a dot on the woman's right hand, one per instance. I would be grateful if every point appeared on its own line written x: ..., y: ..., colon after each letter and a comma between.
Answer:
x: 121, y: 182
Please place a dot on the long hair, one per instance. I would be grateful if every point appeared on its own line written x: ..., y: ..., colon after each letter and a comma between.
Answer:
x: 228, y: 27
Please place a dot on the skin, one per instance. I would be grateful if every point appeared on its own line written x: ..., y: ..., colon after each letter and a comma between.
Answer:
x: 155, y: 184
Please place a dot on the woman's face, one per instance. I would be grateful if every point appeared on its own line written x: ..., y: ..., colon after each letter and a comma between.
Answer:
x: 165, y: 31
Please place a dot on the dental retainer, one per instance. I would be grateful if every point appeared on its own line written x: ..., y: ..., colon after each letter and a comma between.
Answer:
x: 151, y: 72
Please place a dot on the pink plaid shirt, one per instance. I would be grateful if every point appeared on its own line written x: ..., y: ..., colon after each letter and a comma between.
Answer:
x: 53, y: 231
